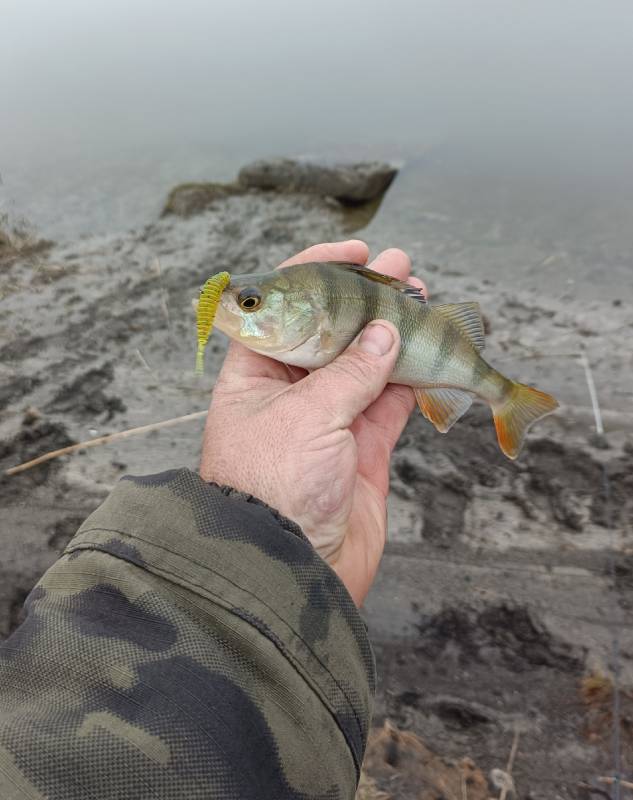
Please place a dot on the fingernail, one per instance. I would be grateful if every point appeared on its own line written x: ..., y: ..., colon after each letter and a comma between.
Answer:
x: 376, y: 339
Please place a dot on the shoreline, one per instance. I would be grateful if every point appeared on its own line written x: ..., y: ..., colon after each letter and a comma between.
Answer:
x: 494, y: 591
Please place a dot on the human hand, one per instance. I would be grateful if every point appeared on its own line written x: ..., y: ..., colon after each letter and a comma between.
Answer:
x: 317, y: 446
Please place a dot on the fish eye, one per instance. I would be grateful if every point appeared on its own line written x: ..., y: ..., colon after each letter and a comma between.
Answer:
x: 249, y: 299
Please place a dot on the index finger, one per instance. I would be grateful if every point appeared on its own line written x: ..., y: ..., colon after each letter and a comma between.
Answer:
x: 353, y: 251
x: 397, y: 264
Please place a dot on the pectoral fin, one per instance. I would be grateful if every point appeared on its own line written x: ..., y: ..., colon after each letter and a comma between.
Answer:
x: 443, y: 407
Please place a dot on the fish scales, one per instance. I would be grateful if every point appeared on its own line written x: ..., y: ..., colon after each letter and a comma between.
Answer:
x: 423, y: 333
x: 433, y: 351
x: 307, y: 314
x: 445, y: 362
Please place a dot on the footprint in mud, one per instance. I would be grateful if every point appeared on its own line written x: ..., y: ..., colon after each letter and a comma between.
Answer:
x: 503, y: 635
x: 560, y: 485
x: 61, y: 532
x: 17, y: 388
x: 85, y: 397
x: 36, y: 436
x: 566, y: 478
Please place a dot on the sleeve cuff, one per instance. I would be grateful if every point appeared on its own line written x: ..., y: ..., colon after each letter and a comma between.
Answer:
x: 230, y: 550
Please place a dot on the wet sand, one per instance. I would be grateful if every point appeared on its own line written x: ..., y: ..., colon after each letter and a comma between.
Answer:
x: 502, y: 584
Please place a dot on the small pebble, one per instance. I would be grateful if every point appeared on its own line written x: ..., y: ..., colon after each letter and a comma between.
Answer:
x: 31, y: 416
x: 599, y: 441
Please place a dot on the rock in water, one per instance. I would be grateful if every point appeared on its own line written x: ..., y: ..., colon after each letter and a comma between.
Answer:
x: 192, y: 198
x: 350, y: 184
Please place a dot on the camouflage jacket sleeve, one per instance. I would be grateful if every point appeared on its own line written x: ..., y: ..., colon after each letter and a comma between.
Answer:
x: 188, y: 644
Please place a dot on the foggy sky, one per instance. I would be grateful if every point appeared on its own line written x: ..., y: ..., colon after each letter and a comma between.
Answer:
x: 524, y: 78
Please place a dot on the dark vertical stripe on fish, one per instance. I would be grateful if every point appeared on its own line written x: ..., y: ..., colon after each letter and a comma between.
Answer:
x: 372, y: 307
x: 368, y: 300
x: 480, y: 372
x: 412, y: 320
x: 450, y: 339
x: 328, y: 290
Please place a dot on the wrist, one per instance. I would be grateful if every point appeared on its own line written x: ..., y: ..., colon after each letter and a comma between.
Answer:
x: 353, y: 579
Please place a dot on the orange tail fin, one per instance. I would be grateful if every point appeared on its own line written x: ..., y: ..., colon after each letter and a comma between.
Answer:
x: 523, y: 407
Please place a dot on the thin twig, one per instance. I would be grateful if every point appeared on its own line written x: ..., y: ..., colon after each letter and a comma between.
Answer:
x: 164, y: 306
x: 142, y: 360
x: 513, y: 752
x: 112, y: 437
x: 610, y: 781
x: 589, y: 789
x: 592, y: 394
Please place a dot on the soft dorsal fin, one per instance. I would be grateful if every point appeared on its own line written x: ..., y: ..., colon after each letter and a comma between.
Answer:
x: 411, y: 291
x: 467, y: 317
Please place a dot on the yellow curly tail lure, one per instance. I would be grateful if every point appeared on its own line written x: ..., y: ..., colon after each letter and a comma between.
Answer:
x: 207, y: 305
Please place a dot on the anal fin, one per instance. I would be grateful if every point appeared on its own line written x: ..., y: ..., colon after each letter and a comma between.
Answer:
x: 443, y: 407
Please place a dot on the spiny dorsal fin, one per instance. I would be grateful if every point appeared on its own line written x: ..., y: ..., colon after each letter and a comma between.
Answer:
x: 467, y: 317
x: 443, y: 407
x: 411, y: 291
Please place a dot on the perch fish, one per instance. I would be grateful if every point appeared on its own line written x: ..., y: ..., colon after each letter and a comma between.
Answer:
x: 306, y: 314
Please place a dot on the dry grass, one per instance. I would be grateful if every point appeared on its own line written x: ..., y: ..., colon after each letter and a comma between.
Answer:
x: 367, y: 790
x: 596, y: 692
x: 18, y: 240
x: 400, y: 761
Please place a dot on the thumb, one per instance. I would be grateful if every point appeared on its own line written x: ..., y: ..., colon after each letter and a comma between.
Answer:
x: 344, y: 388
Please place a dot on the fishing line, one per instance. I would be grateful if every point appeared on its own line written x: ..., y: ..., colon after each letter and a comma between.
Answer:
x: 615, y: 642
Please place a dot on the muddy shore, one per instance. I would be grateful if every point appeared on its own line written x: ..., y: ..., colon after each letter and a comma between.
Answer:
x: 503, y: 584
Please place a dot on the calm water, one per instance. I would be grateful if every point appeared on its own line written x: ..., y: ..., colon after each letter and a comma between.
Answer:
x: 489, y: 104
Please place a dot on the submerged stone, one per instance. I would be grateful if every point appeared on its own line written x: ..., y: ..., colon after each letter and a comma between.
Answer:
x: 192, y: 198
x: 348, y: 183
x: 357, y: 184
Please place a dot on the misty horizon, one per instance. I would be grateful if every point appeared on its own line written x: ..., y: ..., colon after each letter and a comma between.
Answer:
x: 106, y: 99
